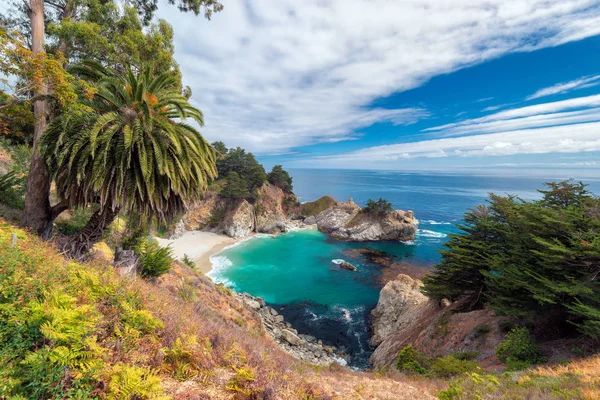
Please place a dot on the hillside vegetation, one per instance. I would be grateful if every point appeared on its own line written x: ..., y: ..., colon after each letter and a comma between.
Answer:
x: 71, y: 330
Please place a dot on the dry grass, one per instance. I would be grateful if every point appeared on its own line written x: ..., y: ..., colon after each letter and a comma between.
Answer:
x: 209, y: 345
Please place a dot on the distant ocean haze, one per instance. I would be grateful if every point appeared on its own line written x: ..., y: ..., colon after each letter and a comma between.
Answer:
x: 299, y: 274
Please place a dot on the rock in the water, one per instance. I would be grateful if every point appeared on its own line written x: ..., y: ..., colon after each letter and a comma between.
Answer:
x: 348, y: 266
x: 345, y: 221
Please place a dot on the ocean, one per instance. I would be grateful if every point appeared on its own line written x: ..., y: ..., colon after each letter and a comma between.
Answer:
x: 298, y: 273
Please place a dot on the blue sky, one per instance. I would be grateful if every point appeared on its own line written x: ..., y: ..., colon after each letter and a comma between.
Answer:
x: 425, y: 85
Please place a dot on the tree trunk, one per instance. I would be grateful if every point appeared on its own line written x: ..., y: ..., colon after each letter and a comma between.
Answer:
x: 91, y: 233
x: 37, y: 213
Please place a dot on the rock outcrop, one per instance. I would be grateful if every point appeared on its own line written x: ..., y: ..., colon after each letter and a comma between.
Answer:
x: 303, y: 347
x: 239, y: 222
x: 345, y: 221
x: 404, y: 316
x: 274, y: 212
x: 400, y: 304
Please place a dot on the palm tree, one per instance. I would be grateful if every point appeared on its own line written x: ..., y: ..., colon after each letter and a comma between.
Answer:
x: 129, y: 150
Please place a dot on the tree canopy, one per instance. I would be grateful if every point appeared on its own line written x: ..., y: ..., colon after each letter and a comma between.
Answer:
x: 131, y: 149
x: 243, y: 164
x: 280, y: 178
x: 537, y: 260
x: 380, y: 207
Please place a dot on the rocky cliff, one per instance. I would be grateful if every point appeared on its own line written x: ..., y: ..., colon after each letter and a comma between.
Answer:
x: 345, y: 221
x: 276, y: 211
x: 272, y: 213
x: 404, y: 316
x: 303, y: 347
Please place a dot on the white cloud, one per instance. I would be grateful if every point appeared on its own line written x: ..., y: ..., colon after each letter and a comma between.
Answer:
x: 546, y: 111
x: 556, y: 139
x: 272, y: 75
x: 565, y: 87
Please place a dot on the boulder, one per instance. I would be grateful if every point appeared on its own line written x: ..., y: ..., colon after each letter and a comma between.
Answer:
x: 291, y: 337
x: 348, y: 266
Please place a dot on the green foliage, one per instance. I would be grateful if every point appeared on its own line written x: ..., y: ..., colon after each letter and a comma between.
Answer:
x: 250, y: 174
x: 10, y: 188
x: 154, y: 260
x: 73, y: 225
x: 518, y: 350
x: 188, y: 261
x: 532, y: 260
x: 465, y: 355
x: 315, y: 207
x: 411, y: 360
x: 235, y: 188
x: 446, y: 367
x: 481, y: 329
x: 477, y: 386
x: 133, y: 146
x: 14, y: 184
x: 280, y: 178
x: 54, y: 341
x: 132, y: 382
x: 380, y: 207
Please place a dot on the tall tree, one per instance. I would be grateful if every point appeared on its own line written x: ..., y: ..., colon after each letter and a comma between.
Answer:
x: 37, y: 212
x: 131, y: 151
x: 94, y: 29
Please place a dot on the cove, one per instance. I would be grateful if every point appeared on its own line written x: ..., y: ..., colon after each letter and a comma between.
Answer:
x: 296, y: 274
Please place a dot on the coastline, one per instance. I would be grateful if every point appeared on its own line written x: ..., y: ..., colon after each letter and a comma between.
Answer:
x: 198, y: 246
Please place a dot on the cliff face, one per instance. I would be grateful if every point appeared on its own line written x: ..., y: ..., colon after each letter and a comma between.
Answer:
x: 404, y: 316
x: 344, y: 221
x: 238, y: 218
x: 276, y: 211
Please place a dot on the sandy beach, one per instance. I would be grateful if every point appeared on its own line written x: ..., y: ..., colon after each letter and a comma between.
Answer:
x: 198, y: 246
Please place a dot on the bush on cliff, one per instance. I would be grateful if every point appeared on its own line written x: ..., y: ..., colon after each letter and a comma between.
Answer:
x: 518, y: 350
x: 380, y: 207
x: 280, y: 178
x: 235, y: 188
x: 536, y: 260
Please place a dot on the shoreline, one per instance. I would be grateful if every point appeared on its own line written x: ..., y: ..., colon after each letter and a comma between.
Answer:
x: 198, y: 246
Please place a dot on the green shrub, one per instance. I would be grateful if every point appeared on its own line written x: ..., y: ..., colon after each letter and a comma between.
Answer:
x: 12, y: 190
x: 578, y: 351
x: 154, y: 260
x: 134, y: 239
x: 519, y: 347
x: 54, y: 341
x: 74, y: 225
x: 482, y: 329
x: 465, y: 355
x: 379, y: 207
x: 411, y: 360
x: 506, y: 325
x: 449, y: 366
x: 188, y: 261
x: 217, y: 217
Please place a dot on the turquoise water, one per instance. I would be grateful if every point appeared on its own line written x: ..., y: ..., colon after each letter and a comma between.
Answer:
x: 295, y: 272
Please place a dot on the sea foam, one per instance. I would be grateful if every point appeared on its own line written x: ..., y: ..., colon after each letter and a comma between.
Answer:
x: 430, y: 234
